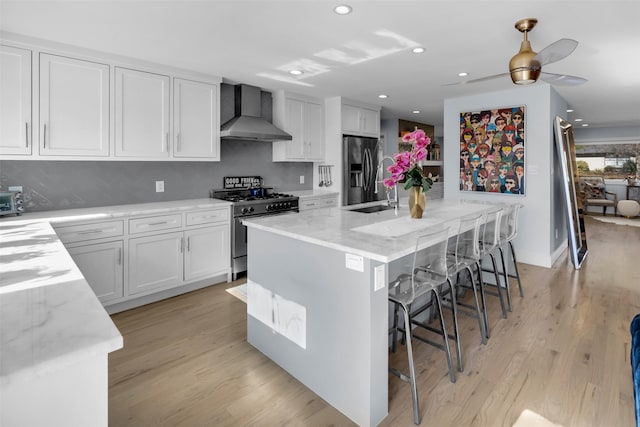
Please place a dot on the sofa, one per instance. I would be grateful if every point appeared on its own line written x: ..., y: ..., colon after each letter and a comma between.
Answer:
x: 593, y: 192
x: 635, y: 363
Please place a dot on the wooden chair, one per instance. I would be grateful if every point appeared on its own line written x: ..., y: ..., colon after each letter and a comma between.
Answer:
x: 593, y: 192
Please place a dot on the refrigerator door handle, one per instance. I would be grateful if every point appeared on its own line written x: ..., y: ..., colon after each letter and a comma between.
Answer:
x: 366, y: 169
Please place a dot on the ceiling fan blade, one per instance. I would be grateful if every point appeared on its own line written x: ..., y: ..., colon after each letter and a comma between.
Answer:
x: 482, y: 79
x: 562, y: 79
x: 556, y: 51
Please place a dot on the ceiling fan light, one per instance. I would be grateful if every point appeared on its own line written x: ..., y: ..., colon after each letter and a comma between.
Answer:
x: 525, y: 77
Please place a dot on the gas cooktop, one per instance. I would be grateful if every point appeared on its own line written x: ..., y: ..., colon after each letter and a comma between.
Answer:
x: 239, y: 196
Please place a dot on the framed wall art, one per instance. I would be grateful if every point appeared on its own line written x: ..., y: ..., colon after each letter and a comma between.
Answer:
x: 492, y: 150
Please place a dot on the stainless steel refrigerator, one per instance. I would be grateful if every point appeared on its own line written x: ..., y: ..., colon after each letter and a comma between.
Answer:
x: 361, y: 157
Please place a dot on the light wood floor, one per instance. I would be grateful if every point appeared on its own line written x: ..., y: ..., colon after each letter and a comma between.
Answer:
x: 563, y: 353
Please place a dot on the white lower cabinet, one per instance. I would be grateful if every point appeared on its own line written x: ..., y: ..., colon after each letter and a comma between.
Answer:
x: 155, y: 262
x: 207, y: 251
x: 103, y: 267
x: 144, y: 258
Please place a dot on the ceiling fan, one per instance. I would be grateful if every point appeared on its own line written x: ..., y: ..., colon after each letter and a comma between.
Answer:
x: 526, y: 66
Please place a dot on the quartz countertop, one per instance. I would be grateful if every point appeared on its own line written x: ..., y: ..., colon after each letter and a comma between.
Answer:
x: 383, y: 236
x: 49, y: 316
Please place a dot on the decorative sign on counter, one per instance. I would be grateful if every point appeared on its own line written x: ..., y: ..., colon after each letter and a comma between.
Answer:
x: 231, y: 182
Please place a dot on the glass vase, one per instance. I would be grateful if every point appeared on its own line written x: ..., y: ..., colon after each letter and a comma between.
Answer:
x: 417, y: 201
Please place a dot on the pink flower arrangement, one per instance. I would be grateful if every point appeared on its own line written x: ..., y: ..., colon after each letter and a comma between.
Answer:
x: 407, y: 167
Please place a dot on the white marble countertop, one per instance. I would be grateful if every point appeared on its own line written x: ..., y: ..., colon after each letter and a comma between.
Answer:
x: 49, y: 316
x: 383, y: 236
x: 313, y: 193
x: 116, y: 211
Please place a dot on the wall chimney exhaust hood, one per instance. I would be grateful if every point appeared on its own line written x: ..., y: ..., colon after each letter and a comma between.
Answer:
x: 247, y: 123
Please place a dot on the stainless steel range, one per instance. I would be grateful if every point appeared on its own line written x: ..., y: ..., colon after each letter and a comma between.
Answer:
x: 250, y: 199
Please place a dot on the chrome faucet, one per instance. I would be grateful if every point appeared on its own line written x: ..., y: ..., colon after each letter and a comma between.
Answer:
x: 380, y: 179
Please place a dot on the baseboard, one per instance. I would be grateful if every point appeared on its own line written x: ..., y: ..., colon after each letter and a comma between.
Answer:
x: 158, y: 296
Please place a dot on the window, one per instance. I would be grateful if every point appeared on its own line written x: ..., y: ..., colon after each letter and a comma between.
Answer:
x: 612, y: 161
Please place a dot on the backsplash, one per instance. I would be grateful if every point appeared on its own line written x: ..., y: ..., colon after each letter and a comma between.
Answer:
x: 52, y: 185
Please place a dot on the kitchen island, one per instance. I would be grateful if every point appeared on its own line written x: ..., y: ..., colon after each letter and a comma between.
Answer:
x: 317, y: 296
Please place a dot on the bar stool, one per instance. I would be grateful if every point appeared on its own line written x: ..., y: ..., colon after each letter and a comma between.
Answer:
x: 465, y: 257
x: 428, y: 275
x: 489, y: 240
x: 508, y: 232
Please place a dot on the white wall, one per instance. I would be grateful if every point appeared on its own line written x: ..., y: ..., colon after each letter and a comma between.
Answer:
x: 534, y: 244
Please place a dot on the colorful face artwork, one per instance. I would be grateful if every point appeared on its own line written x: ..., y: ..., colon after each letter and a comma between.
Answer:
x: 492, y: 149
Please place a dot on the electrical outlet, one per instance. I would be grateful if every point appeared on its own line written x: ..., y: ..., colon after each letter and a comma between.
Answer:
x: 301, y: 179
x: 159, y: 186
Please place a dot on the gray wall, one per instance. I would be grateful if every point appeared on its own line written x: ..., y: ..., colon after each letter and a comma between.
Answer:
x: 50, y: 185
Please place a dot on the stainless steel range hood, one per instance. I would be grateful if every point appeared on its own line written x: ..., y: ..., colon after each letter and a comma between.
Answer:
x: 247, y: 124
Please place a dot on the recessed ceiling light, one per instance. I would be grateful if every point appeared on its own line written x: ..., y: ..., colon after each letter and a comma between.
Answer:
x: 296, y: 72
x: 585, y: 124
x: 416, y: 111
x: 463, y: 74
x: 577, y: 120
x: 417, y: 50
x: 383, y: 96
x: 569, y: 110
x: 342, y: 9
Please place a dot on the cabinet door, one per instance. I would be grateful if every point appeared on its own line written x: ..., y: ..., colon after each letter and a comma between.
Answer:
x: 351, y: 122
x: 295, y: 126
x: 74, y: 107
x: 196, y: 120
x: 314, y: 131
x: 207, y: 252
x: 15, y: 101
x: 101, y: 265
x: 155, y: 262
x: 142, y: 114
x: 370, y: 120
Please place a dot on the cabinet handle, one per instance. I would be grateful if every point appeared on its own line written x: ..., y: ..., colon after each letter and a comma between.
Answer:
x: 182, y: 245
x: 188, y: 244
x: 157, y: 223
x: 178, y: 145
x: 167, y: 139
x: 26, y: 134
x: 119, y: 256
x: 44, y: 137
x: 94, y: 231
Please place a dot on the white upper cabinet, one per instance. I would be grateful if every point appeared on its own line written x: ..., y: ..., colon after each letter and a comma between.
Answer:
x: 15, y: 101
x: 74, y: 107
x: 196, y: 120
x: 360, y: 121
x: 303, y: 118
x: 141, y: 114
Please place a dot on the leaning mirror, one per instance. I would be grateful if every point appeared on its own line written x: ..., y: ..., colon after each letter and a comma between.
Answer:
x: 573, y: 205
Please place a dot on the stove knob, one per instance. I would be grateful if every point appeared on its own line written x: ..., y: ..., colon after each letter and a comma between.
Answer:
x: 243, y: 211
x: 251, y: 209
x: 267, y: 208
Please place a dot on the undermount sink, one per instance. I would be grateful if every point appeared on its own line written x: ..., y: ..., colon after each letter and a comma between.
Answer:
x: 371, y: 209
